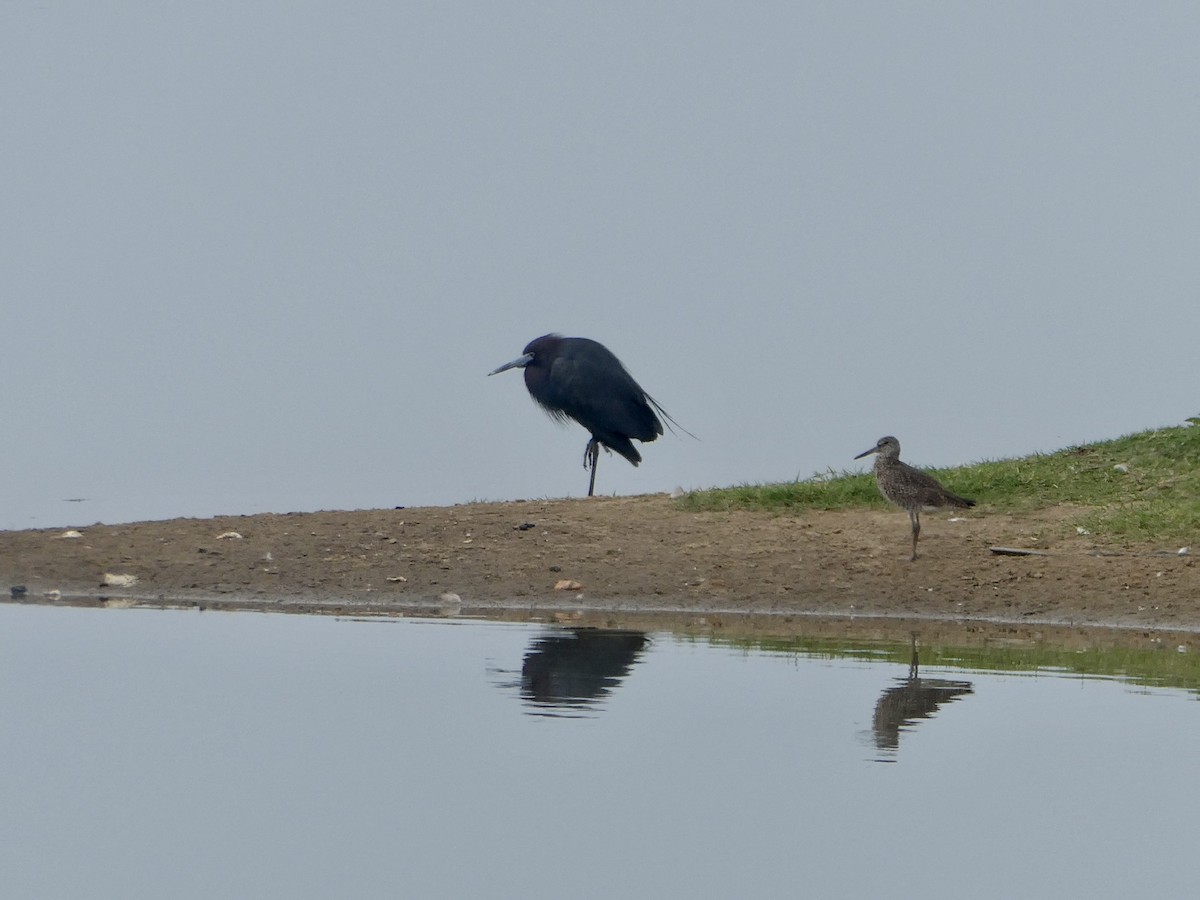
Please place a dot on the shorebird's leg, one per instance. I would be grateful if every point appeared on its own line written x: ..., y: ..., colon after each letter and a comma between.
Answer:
x: 915, y: 515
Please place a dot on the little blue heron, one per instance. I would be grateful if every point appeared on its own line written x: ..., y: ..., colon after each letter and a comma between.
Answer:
x: 578, y: 378
x: 908, y: 488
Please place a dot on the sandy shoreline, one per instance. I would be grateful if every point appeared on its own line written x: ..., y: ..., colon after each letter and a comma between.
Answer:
x: 616, y: 561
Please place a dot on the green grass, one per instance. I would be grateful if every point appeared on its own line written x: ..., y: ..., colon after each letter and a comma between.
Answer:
x: 1155, y: 498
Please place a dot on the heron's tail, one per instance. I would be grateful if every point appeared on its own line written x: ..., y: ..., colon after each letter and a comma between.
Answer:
x: 618, y: 443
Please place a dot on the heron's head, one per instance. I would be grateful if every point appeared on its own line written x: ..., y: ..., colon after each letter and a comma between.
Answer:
x: 887, y: 447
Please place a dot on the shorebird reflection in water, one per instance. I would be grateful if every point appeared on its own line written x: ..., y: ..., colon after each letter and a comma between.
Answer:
x: 915, y: 698
x: 578, y: 378
x: 910, y: 489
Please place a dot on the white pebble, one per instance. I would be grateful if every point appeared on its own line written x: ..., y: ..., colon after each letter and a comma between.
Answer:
x: 449, y: 604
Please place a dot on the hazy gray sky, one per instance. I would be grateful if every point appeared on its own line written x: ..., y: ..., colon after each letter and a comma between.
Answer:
x: 261, y: 256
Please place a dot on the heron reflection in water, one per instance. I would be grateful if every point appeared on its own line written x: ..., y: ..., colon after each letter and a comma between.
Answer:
x: 575, y: 669
x: 914, y: 698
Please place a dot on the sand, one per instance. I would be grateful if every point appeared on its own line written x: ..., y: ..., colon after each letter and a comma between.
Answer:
x: 627, y: 560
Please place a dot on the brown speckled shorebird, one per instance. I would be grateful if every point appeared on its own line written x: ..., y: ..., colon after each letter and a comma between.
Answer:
x: 908, y: 488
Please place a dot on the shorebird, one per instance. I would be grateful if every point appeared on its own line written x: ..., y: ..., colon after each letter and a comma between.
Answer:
x: 910, y: 489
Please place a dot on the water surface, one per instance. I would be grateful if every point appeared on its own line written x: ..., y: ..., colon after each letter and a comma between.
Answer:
x: 185, y: 754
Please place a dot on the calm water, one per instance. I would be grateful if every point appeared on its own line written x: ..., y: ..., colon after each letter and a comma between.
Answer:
x: 182, y: 754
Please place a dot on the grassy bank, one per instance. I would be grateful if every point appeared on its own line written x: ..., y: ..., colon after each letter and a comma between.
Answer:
x: 1141, y: 487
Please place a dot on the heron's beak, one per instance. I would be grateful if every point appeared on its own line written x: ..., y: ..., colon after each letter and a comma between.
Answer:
x: 866, y: 453
x: 519, y: 363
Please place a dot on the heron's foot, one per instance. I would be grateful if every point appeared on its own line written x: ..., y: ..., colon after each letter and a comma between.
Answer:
x: 591, y: 453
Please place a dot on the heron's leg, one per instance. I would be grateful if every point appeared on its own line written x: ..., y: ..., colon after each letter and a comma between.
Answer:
x: 915, y: 515
x: 591, y: 456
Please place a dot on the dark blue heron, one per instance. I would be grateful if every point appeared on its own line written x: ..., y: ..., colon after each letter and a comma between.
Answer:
x: 580, y: 379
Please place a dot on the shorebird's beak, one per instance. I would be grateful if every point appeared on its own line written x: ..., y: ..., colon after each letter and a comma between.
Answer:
x: 866, y: 453
x: 519, y: 363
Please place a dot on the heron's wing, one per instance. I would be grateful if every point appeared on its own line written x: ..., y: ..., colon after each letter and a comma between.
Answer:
x: 589, y: 384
